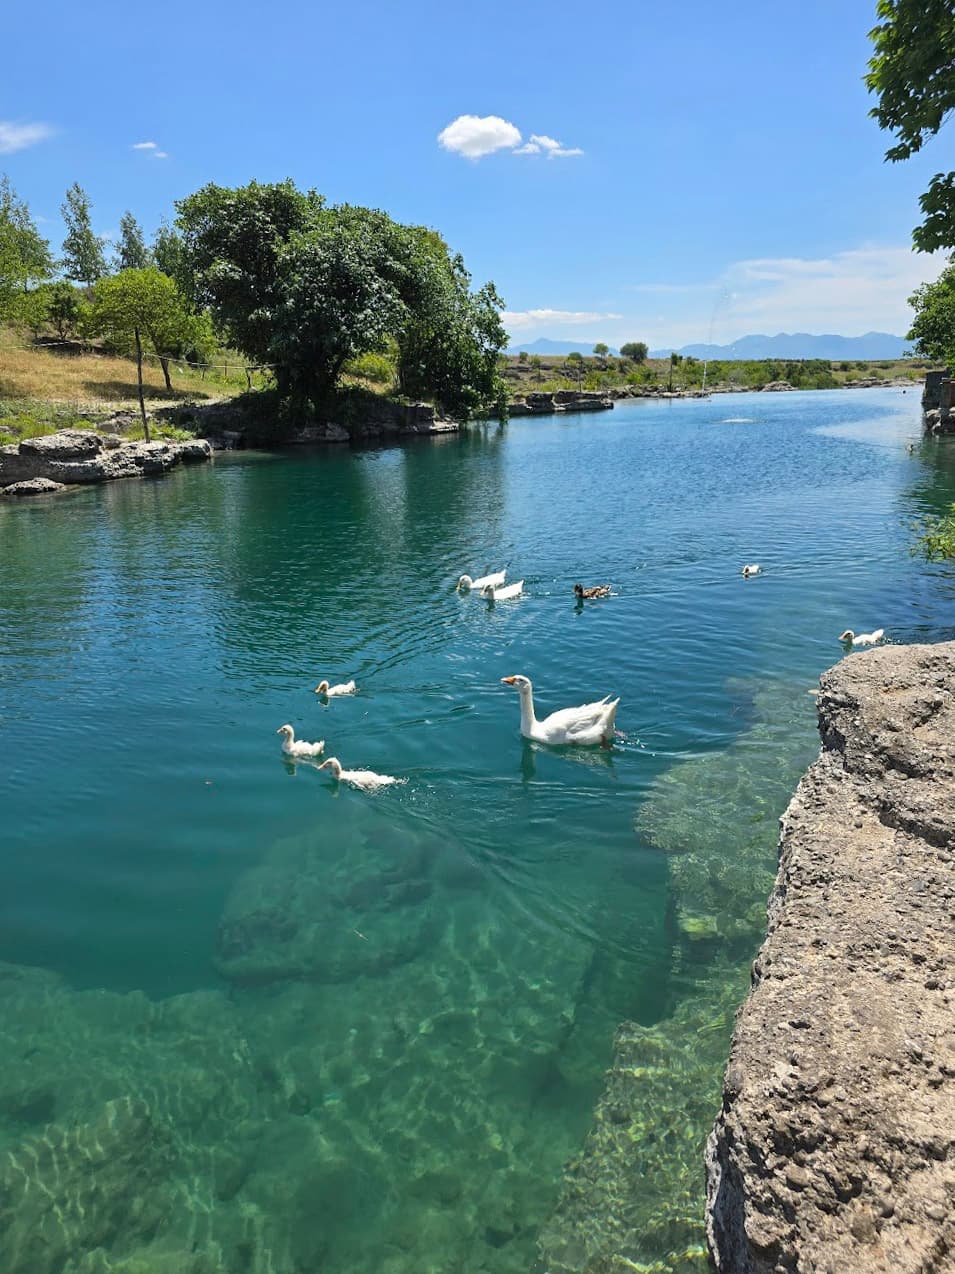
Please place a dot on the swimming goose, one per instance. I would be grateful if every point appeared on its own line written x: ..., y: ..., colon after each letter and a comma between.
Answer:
x: 862, y: 639
x: 466, y: 584
x: 588, y: 724
x: 331, y: 692
x: 494, y: 593
x: 589, y: 594
x: 752, y: 568
x: 292, y: 748
x: 367, y: 780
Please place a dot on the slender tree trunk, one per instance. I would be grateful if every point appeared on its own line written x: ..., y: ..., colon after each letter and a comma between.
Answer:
x: 139, y: 380
x: 164, y: 364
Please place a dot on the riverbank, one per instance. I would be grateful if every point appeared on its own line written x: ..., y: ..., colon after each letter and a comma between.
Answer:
x: 835, y: 1145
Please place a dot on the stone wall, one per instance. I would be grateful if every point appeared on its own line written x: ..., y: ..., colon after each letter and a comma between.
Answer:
x: 834, y: 1149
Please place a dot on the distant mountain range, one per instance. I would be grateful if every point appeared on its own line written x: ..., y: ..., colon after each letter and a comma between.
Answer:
x: 872, y: 345
x: 555, y: 348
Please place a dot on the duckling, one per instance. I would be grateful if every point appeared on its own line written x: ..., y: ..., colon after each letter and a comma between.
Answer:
x: 365, y: 780
x: 862, y: 639
x: 753, y: 568
x: 298, y: 748
x: 332, y: 692
x: 590, y: 594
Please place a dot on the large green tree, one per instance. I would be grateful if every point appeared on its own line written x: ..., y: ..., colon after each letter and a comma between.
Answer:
x: 25, y: 259
x: 933, y: 328
x: 304, y: 288
x: 144, y: 310
x: 232, y: 240
x: 912, y: 71
x: 83, y: 256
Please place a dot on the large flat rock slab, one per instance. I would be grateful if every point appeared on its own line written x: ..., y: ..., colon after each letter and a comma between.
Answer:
x: 83, y: 456
x: 835, y: 1147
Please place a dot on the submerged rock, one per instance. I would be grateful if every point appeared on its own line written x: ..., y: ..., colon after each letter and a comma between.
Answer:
x: 835, y: 1146
x: 717, y: 816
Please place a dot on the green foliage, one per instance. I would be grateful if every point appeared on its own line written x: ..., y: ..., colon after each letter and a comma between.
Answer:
x: 61, y: 307
x: 25, y: 259
x: 83, y: 258
x: 377, y: 368
x: 637, y: 350
x: 132, y: 253
x: 307, y: 289
x: 334, y: 301
x: 912, y: 71
x: 232, y: 241
x: 601, y: 350
x: 169, y: 255
x: 936, y: 541
x: 148, y: 302
x: 575, y: 357
x: 933, y: 328
x: 522, y: 356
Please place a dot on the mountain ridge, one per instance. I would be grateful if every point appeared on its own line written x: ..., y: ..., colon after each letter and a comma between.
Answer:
x: 796, y: 345
x: 793, y: 345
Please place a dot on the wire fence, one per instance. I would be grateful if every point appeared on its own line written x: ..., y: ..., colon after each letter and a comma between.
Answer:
x: 237, y: 364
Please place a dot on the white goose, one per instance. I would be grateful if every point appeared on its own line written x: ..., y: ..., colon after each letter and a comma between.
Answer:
x: 862, y: 639
x: 299, y: 748
x: 752, y: 568
x: 466, y: 584
x: 588, y: 724
x: 332, y: 692
x: 367, y: 780
x: 493, y: 593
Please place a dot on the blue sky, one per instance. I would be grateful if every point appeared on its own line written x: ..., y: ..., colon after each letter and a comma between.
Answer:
x: 728, y: 178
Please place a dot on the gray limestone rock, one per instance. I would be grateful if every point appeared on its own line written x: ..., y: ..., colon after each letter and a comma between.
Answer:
x: 32, y: 486
x: 83, y: 456
x: 835, y: 1146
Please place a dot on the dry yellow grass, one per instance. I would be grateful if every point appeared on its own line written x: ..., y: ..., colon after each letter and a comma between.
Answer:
x: 97, y: 381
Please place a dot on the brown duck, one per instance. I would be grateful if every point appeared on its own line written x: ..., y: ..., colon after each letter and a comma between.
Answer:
x: 589, y: 594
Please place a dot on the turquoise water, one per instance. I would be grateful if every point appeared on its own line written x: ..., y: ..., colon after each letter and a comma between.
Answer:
x: 328, y: 1030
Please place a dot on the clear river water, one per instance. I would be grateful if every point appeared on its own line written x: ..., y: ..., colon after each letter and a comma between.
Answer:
x: 252, y: 1022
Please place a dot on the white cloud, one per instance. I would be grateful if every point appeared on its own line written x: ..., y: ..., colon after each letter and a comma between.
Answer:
x: 540, y: 142
x: 151, y: 149
x: 520, y: 320
x: 850, y: 292
x: 477, y: 135
x: 14, y: 137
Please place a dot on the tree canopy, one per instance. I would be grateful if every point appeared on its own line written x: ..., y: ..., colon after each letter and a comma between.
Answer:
x: 933, y: 328
x: 137, y: 308
x: 83, y: 257
x: 304, y: 288
x: 637, y: 350
x: 25, y: 259
x: 132, y: 253
x: 912, y: 71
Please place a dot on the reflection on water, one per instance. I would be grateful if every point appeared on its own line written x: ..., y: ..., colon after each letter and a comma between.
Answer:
x: 254, y: 1023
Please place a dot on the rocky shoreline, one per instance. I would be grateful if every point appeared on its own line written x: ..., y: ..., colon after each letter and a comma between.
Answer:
x: 834, y: 1149
x: 51, y: 463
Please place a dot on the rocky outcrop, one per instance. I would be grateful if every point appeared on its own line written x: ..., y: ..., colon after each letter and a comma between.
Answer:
x: 565, y: 400
x: 83, y: 456
x: 32, y: 486
x: 835, y: 1146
